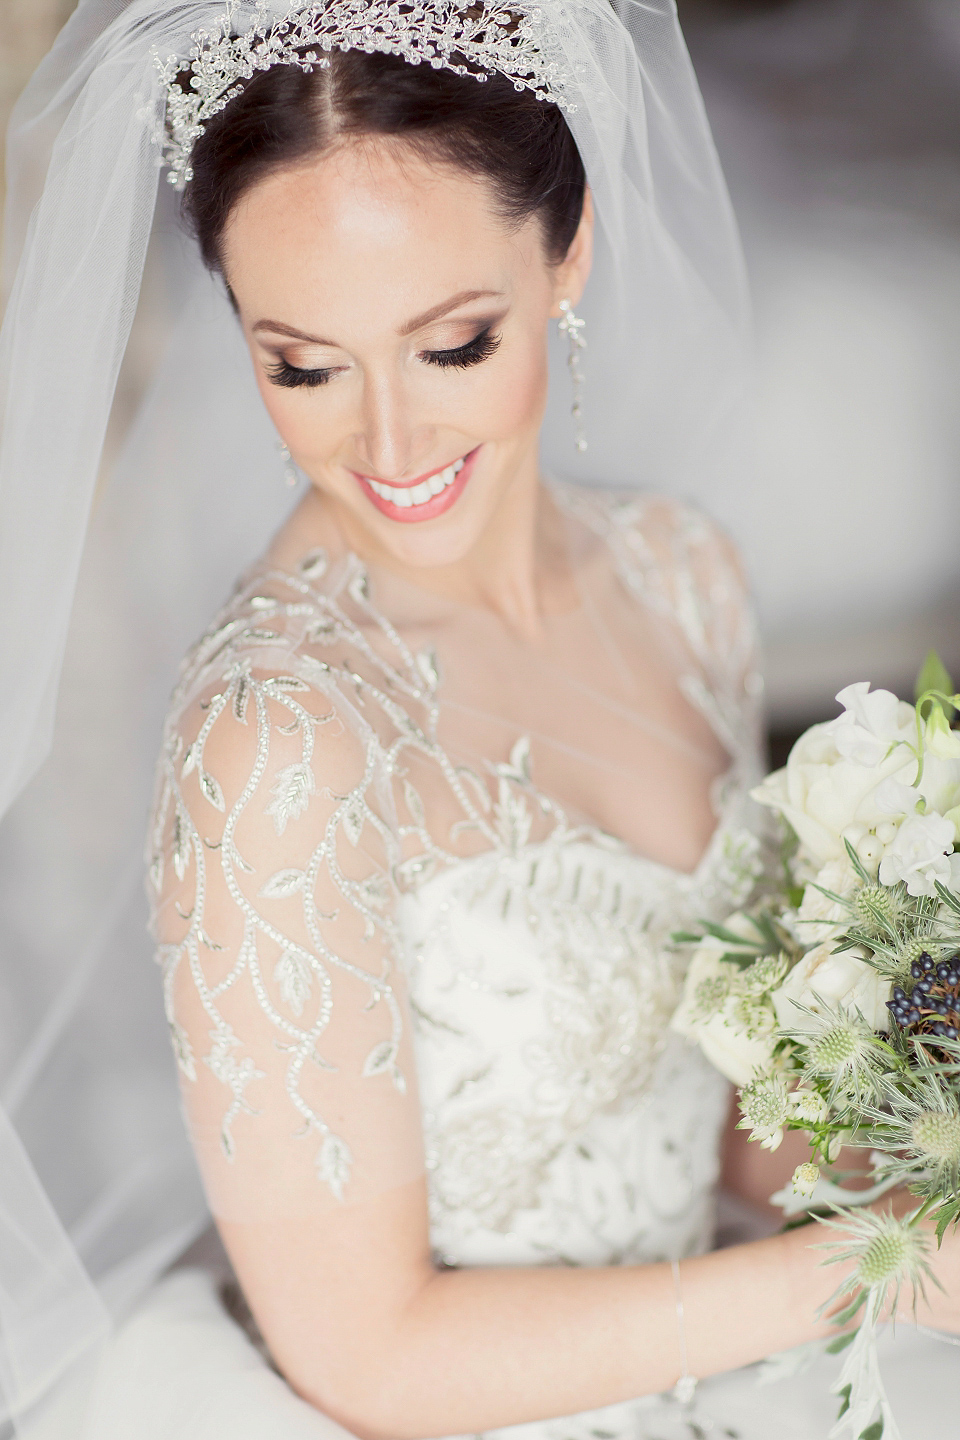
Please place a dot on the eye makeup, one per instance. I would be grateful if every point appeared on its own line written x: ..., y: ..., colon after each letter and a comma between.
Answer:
x: 462, y: 357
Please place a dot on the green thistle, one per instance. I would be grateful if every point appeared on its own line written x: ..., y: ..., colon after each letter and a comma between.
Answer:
x: 843, y: 1050
x: 877, y: 909
x: 887, y: 1254
x: 916, y: 1126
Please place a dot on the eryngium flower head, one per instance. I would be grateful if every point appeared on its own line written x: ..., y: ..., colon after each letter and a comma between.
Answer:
x: 916, y: 1126
x: 842, y: 1049
x: 888, y: 1255
x: 877, y: 909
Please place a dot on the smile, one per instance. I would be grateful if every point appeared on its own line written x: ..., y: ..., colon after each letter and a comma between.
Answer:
x: 423, y: 498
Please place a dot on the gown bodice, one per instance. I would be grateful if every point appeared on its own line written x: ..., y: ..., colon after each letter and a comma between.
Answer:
x: 386, y: 946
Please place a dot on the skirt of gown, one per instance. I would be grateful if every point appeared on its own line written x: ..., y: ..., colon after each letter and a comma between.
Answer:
x: 182, y: 1368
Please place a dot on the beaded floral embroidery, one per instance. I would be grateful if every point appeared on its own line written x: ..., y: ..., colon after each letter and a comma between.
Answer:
x: 283, y: 661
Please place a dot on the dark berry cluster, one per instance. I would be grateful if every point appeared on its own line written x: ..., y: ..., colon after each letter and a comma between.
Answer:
x: 932, y: 1007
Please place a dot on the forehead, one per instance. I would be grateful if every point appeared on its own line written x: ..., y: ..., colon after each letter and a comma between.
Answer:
x: 373, y: 230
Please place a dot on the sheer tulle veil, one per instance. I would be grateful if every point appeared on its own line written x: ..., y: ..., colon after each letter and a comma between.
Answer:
x: 105, y: 578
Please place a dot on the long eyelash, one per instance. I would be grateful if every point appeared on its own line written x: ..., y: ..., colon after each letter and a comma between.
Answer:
x: 289, y: 376
x: 473, y: 353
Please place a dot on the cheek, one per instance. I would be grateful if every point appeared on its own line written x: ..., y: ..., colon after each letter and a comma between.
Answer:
x: 510, y: 398
x: 305, y: 426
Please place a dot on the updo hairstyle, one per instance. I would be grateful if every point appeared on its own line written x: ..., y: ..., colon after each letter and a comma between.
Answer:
x: 286, y: 117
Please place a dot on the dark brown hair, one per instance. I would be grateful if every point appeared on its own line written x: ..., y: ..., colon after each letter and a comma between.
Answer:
x: 520, y: 145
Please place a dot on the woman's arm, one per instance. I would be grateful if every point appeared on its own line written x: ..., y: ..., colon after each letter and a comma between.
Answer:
x: 365, y: 1328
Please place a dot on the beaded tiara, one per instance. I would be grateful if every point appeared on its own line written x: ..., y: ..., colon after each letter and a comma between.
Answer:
x: 469, y: 37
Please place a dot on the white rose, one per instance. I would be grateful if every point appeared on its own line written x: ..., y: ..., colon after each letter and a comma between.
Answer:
x: 819, y: 918
x: 825, y: 983
x: 831, y: 777
x: 919, y: 854
x: 739, y: 1056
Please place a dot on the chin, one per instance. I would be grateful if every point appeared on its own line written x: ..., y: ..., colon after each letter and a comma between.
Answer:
x: 439, y: 519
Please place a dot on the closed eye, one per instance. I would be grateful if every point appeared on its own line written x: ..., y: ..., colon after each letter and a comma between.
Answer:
x: 290, y: 376
x: 480, y: 348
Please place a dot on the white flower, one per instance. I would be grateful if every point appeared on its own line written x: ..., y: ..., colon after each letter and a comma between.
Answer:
x: 805, y: 1178
x: 871, y: 723
x: 938, y: 738
x: 919, y: 854
x: 831, y: 777
x: 827, y: 984
x: 766, y: 1109
x: 734, y: 1031
x: 808, y: 1106
x: 819, y: 918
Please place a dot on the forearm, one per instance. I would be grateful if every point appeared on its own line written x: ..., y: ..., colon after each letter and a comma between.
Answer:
x: 479, y: 1349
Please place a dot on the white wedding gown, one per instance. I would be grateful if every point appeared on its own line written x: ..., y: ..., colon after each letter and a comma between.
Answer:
x: 524, y: 945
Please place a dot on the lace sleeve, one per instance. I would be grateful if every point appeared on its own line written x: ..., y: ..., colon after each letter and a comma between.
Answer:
x: 273, y: 856
x: 678, y: 562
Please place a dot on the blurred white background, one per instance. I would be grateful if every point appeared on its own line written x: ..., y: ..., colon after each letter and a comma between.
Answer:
x: 838, y: 123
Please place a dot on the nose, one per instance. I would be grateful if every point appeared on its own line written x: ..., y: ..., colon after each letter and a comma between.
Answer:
x: 390, y: 439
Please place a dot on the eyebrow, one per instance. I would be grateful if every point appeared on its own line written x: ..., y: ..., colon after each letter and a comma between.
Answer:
x: 437, y: 312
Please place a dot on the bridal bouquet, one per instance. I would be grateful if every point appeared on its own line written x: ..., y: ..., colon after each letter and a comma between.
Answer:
x: 834, y: 1003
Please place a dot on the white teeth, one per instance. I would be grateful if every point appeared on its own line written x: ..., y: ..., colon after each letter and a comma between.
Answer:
x: 402, y: 497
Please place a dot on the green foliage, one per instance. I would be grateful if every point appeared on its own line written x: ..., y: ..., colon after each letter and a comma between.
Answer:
x: 947, y: 1216
x: 874, y: 1431
x: 933, y: 675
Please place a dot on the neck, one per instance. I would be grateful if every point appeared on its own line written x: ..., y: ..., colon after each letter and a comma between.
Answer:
x: 517, y: 568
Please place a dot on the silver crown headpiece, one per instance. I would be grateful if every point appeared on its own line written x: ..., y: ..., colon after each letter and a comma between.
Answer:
x: 469, y: 37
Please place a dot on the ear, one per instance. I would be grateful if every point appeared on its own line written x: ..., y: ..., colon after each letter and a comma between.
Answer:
x: 571, y: 275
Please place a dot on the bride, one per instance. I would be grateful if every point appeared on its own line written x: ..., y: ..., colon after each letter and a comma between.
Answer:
x: 464, y: 748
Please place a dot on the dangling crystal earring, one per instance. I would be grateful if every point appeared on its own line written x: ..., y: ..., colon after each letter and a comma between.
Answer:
x: 289, y: 469
x: 572, y: 326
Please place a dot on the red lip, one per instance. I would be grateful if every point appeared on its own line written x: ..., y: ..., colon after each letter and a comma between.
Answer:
x: 430, y: 509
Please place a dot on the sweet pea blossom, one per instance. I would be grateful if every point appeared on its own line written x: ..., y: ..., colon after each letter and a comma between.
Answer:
x: 846, y: 778
x: 919, y: 854
x: 872, y: 721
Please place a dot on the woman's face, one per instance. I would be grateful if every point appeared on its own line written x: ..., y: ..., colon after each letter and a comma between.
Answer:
x: 398, y: 331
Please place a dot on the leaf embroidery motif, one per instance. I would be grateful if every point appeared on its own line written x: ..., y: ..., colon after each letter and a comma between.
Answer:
x: 285, y: 682
x: 333, y: 1164
x: 183, y: 1050
x: 156, y: 872
x: 291, y: 793
x: 324, y: 632
x: 314, y: 565
x: 429, y: 668
x: 292, y: 974
x: 518, y: 768
x: 375, y: 891
x: 284, y: 883
x: 381, y: 1059
x: 513, y: 819
x: 414, y: 804
x: 181, y: 846
x: 212, y: 790
x: 240, y: 700
x: 353, y: 822
x: 359, y: 586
